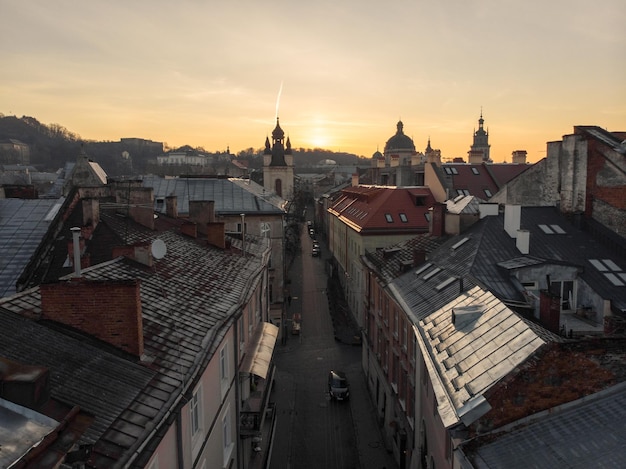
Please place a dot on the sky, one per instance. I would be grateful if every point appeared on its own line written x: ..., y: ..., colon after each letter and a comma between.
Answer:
x: 339, y: 74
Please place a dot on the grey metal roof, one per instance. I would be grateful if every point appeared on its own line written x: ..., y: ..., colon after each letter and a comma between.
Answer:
x: 473, y: 342
x: 187, y: 301
x: 584, y: 434
x: 232, y: 196
x: 487, y: 252
x: 23, y: 224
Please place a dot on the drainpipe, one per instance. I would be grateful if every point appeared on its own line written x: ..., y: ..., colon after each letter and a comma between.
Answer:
x: 243, y: 234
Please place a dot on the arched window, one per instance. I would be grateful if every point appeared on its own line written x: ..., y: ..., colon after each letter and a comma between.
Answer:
x: 278, y: 187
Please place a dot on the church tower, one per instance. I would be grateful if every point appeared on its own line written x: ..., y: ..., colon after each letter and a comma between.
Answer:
x: 481, y: 146
x: 278, y: 164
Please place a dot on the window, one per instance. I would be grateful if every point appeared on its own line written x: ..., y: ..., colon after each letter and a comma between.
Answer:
x: 403, y: 218
x: 462, y: 192
x: 475, y: 170
x: 227, y: 436
x: 388, y: 217
x: 488, y: 192
x: 224, y: 364
x: 195, y: 417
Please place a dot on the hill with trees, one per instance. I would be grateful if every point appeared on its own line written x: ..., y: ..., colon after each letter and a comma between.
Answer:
x: 52, y: 145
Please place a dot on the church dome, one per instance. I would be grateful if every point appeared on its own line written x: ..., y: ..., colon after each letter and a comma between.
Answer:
x: 400, y: 141
x: 377, y: 155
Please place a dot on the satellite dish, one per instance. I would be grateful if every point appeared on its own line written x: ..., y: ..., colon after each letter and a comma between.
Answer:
x: 158, y: 249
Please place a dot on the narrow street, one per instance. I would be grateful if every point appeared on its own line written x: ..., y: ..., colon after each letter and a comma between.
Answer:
x: 314, y: 431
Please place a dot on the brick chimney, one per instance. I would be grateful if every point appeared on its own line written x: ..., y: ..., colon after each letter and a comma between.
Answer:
x: 419, y: 257
x: 189, y: 228
x: 519, y: 157
x: 202, y: 212
x: 91, y: 216
x: 436, y: 224
x: 216, y: 234
x: 171, y: 206
x: 109, y: 310
x: 139, y: 252
x: 140, y: 203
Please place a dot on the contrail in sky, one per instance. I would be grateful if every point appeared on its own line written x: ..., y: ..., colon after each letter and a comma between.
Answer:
x: 280, y: 91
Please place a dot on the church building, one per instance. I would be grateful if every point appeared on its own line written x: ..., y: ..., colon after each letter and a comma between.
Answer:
x: 278, y: 164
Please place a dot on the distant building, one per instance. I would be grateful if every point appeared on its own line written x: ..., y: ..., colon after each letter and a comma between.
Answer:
x: 400, y: 165
x: 278, y: 164
x: 479, y: 150
x: 14, y: 151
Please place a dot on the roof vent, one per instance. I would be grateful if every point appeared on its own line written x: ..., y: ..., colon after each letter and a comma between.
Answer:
x: 464, y: 315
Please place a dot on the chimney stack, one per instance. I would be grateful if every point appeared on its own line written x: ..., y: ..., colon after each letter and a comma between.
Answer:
x: 109, y: 310
x: 512, y: 219
x: 76, y: 250
x: 202, y: 212
x: 437, y: 219
x: 171, y: 206
x: 523, y: 241
x: 355, y: 179
x: 488, y: 209
x: 519, y: 157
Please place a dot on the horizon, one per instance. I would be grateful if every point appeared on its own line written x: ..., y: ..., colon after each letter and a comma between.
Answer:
x: 339, y: 76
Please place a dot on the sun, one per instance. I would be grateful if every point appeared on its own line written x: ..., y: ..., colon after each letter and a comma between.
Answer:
x: 319, y: 138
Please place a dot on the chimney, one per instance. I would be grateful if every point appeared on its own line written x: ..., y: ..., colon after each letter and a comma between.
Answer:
x: 488, y: 209
x: 139, y: 201
x: 523, y: 241
x: 475, y: 157
x: 171, y: 206
x: 519, y: 157
x: 202, y: 212
x: 355, y: 179
x: 139, y: 252
x: 216, y: 234
x: 76, y: 249
x: 189, y: 228
x: 437, y: 219
x: 512, y: 219
x: 106, y: 309
x: 25, y: 385
x: 91, y: 214
x: 419, y: 257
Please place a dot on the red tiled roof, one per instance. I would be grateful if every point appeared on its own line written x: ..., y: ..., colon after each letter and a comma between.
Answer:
x: 378, y: 208
x: 477, y: 179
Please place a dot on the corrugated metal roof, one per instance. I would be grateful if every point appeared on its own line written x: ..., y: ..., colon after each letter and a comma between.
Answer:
x: 231, y: 196
x: 23, y: 224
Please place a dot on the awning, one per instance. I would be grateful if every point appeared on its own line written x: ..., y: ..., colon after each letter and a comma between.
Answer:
x: 259, y: 350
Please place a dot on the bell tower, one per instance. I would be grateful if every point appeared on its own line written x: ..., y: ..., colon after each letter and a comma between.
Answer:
x: 278, y: 164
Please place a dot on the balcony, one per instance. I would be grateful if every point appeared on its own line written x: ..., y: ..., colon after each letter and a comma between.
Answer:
x: 257, y: 406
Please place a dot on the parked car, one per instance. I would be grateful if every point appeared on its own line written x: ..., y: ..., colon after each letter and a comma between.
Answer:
x: 338, y: 386
x: 315, y: 251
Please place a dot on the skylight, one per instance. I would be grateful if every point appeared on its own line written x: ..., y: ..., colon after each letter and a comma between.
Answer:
x: 551, y: 229
x: 388, y: 217
x: 423, y: 268
x: 403, y: 218
x: 432, y: 273
x: 445, y: 283
x: 475, y: 170
x: 613, y: 272
x: 488, y: 192
x: 459, y: 244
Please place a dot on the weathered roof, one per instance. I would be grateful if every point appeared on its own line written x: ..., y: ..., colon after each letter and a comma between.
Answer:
x: 472, y: 343
x: 187, y: 301
x: 480, y: 255
x: 23, y: 225
x: 376, y: 209
x: 585, y: 433
x: 481, y: 180
x: 232, y: 196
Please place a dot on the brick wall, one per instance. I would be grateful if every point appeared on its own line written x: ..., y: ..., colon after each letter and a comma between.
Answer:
x: 107, y: 310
